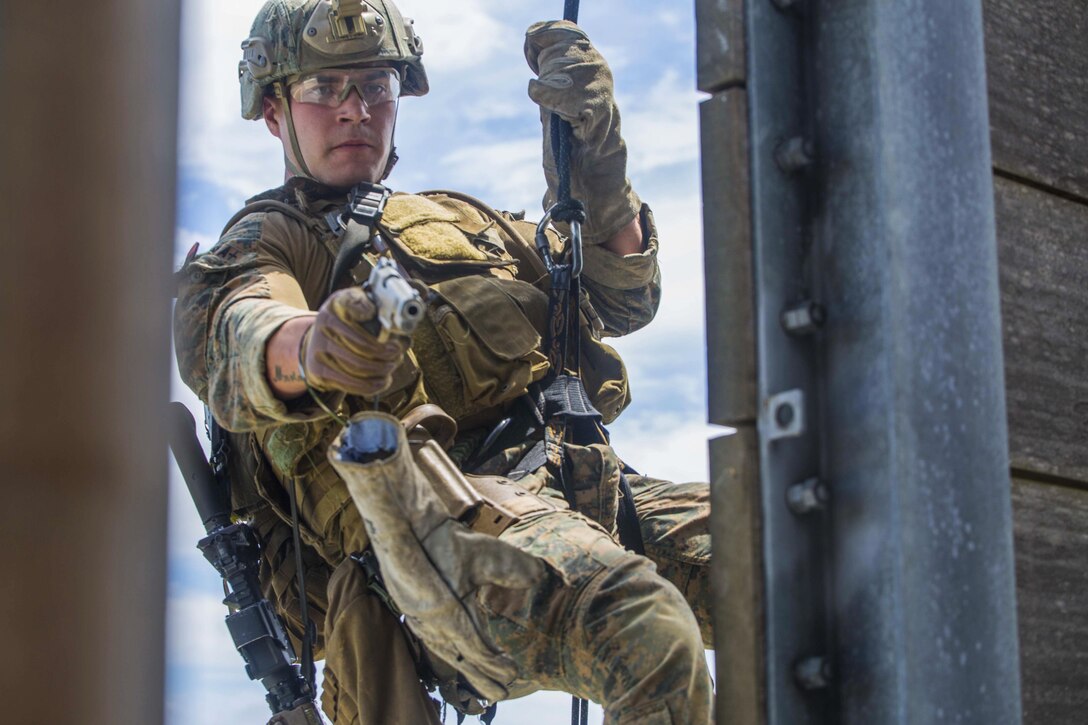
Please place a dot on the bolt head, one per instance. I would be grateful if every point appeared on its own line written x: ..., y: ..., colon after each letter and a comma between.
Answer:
x: 784, y: 415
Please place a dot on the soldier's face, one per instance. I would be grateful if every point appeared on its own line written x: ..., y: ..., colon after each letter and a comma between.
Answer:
x: 343, y: 144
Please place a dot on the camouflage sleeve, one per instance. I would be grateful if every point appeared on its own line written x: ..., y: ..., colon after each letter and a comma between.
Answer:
x: 230, y: 302
x: 625, y: 290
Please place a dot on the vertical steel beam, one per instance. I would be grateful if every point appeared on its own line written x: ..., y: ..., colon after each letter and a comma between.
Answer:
x: 87, y: 169
x: 862, y: 526
x: 914, y: 416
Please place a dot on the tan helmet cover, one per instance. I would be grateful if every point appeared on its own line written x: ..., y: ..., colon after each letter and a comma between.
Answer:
x: 290, y: 37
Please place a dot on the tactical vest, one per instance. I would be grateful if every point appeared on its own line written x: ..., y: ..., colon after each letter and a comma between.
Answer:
x: 477, y: 352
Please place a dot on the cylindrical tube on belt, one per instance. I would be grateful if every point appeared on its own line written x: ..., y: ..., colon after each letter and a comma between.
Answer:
x: 448, y: 482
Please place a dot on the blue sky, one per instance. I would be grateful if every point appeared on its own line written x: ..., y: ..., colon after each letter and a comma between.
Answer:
x: 478, y: 132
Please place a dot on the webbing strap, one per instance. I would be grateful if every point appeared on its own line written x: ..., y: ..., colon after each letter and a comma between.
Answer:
x: 309, y: 628
x: 566, y: 396
x: 269, y: 205
x: 357, y: 224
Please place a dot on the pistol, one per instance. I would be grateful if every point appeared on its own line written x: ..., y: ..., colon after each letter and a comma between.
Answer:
x: 400, y: 308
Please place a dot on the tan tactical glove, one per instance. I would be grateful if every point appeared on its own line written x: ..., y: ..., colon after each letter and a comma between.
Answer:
x: 574, y: 81
x: 338, y: 353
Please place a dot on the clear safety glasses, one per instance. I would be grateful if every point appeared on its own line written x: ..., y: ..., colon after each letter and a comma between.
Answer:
x: 331, y: 86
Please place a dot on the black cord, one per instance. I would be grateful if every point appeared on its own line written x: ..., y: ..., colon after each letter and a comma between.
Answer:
x: 561, y: 131
x: 579, y: 711
x: 568, y: 210
x: 309, y: 629
x: 570, y: 10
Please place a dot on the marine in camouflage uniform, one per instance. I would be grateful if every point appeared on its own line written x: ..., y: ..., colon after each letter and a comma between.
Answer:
x: 624, y: 630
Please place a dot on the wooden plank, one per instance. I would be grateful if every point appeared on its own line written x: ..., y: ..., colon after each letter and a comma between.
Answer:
x: 737, y: 578
x: 719, y: 44
x: 1044, y: 299
x: 727, y: 241
x: 1037, y: 64
x: 1051, y: 531
x: 87, y: 220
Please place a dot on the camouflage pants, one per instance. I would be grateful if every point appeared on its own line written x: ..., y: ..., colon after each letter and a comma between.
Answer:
x: 604, y: 623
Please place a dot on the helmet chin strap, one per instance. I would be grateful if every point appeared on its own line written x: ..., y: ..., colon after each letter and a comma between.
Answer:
x: 393, y: 156
x: 390, y: 162
x: 298, y: 166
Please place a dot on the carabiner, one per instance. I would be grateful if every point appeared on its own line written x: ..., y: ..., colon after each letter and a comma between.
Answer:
x: 575, y: 244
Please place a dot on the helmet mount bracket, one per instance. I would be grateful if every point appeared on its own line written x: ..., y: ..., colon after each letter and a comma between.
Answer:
x: 342, y: 27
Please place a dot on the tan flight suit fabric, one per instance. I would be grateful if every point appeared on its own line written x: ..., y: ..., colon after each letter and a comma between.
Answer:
x: 360, y: 687
x: 589, y: 628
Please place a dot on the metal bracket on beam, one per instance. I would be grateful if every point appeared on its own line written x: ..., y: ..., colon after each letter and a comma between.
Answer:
x: 783, y: 416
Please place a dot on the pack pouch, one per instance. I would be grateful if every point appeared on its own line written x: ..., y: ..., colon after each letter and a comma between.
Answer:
x: 479, y: 347
x: 437, y: 243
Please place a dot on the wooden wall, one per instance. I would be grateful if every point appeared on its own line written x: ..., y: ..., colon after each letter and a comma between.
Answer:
x: 1037, y: 64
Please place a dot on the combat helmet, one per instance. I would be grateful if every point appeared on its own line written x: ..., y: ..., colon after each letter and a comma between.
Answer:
x: 292, y: 37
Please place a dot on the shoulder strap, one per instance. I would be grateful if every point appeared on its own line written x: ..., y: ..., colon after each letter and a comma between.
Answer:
x: 268, y: 205
x: 318, y: 227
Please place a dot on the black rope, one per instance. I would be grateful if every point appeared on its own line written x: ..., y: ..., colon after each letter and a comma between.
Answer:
x: 570, y: 10
x: 561, y: 142
x: 561, y: 131
x: 568, y: 210
x: 579, y: 711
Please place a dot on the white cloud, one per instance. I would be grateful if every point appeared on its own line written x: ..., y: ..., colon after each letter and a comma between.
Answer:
x: 458, y: 37
x: 663, y: 445
x: 508, y: 171
x: 215, y: 142
x: 660, y: 124
x: 199, y: 645
x: 184, y: 239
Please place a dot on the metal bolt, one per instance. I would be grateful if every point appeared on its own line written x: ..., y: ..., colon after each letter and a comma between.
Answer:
x: 813, y: 673
x: 804, y: 318
x: 807, y: 496
x: 794, y: 154
x: 311, y: 31
x: 379, y: 20
x: 783, y: 415
x: 788, y: 5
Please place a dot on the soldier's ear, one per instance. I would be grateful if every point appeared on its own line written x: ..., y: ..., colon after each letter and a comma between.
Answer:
x: 272, y: 113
